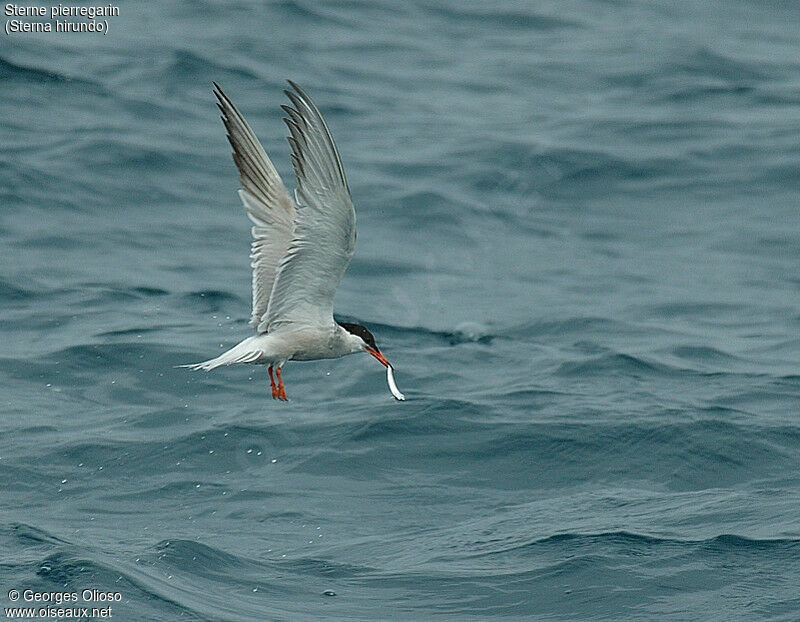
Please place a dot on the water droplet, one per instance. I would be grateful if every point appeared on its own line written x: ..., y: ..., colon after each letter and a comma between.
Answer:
x: 329, y: 593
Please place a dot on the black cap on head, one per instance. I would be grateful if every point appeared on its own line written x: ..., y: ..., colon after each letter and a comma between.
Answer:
x: 360, y: 331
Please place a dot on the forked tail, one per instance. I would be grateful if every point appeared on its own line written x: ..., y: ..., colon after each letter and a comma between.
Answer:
x: 239, y: 353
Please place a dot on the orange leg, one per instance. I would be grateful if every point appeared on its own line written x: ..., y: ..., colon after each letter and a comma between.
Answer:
x: 272, y: 383
x: 281, y: 389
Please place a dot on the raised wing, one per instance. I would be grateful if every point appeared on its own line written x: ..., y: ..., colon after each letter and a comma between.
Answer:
x: 325, y: 228
x: 267, y: 202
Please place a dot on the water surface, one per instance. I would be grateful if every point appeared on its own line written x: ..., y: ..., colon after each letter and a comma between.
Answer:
x: 578, y: 244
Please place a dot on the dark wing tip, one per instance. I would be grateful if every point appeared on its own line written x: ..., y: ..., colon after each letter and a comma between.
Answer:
x: 316, y: 138
x: 219, y: 93
x: 294, y: 114
x: 299, y: 90
x: 222, y: 97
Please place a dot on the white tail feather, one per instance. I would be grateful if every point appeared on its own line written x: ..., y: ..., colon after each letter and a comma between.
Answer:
x: 237, y: 354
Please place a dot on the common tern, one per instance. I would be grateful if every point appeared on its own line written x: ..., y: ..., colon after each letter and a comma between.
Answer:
x: 301, y: 248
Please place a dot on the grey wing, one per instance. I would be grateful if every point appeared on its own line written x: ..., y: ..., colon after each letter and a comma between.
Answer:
x: 325, y: 229
x: 267, y: 202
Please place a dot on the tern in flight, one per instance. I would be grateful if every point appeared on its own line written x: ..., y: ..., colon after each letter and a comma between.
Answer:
x: 301, y: 248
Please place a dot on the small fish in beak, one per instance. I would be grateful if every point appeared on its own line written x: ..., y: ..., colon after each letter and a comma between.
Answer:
x: 392, y: 386
x: 389, y: 373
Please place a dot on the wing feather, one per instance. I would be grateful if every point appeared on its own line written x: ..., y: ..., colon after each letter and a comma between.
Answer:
x: 267, y: 202
x: 325, y: 228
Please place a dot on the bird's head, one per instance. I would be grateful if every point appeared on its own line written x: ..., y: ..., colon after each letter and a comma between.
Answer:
x: 362, y: 339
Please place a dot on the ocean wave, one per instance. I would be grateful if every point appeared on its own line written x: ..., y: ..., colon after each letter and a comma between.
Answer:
x: 10, y: 70
x: 186, y: 64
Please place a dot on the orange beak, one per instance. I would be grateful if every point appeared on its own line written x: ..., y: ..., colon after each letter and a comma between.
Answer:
x: 377, y: 354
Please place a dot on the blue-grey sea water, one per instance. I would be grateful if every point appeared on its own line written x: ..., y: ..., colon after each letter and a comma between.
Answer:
x: 579, y: 242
